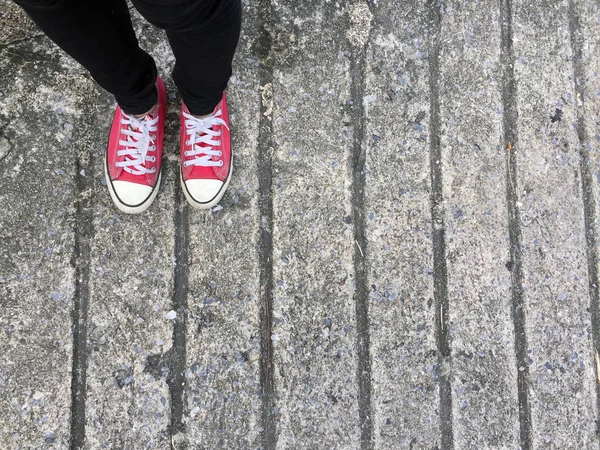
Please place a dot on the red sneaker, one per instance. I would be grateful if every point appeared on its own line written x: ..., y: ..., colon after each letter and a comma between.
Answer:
x: 134, y: 156
x: 206, y: 156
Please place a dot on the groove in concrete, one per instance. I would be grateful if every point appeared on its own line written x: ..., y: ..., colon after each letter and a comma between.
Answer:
x: 361, y: 251
x: 440, y: 275
x: 589, y: 208
x: 178, y: 356
x: 510, y: 144
x: 268, y: 434
x: 81, y: 262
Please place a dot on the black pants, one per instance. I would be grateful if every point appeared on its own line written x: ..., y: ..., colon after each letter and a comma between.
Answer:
x: 98, y: 34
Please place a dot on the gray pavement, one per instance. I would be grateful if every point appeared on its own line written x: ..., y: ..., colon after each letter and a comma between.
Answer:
x: 406, y: 258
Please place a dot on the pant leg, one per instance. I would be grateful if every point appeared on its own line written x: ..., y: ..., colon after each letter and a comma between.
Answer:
x: 99, y: 35
x: 203, y: 35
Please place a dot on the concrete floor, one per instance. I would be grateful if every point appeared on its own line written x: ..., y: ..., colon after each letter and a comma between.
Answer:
x: 406, y: 258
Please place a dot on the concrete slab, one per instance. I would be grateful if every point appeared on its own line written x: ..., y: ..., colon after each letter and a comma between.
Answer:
x: 314, y: 327
x: 555, y: 278
x: 485, y: 403
x: 38, y: 192
x: 223, y: 391
x: 405, y: 373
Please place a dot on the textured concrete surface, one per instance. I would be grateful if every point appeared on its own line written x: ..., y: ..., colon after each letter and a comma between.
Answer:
x: 314, y: 329
x: 37, y: 276
x: 407, y: 256
x: 402, y: 315
x: 555, y: 278
x: 223, y: 401
x: 483, y: 382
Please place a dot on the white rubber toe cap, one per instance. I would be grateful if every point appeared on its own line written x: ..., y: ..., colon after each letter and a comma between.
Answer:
x: 131, y: 194
x: 203, y: 191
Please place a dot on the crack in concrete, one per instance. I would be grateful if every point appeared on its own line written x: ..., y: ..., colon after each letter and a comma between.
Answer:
x: 438, y: 232
x: 176, y: 358
x: 358, y: 36
x: 6, y: 146
x: 81, y: 262
x: 268, y: 435
x: 509, y: 145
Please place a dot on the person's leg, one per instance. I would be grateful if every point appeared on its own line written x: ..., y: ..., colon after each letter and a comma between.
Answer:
x: 99, y: 35
x: 203, y: 35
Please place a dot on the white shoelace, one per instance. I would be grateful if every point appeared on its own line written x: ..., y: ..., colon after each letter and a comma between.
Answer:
x: 137, y: 145
x: 199, y: 132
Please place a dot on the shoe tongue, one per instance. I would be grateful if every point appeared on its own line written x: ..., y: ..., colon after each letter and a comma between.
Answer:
x: 146, y: 118
x: 204, y: 133
x: 200, y: 143
x: 149, y: 117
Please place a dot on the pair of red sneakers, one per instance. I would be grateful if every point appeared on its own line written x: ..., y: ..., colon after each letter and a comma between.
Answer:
x: 134, y: 156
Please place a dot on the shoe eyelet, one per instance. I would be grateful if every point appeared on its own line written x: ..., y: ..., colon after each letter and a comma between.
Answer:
x: 220, y: 163
x: 154, y: 170
x: 220, y: 153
